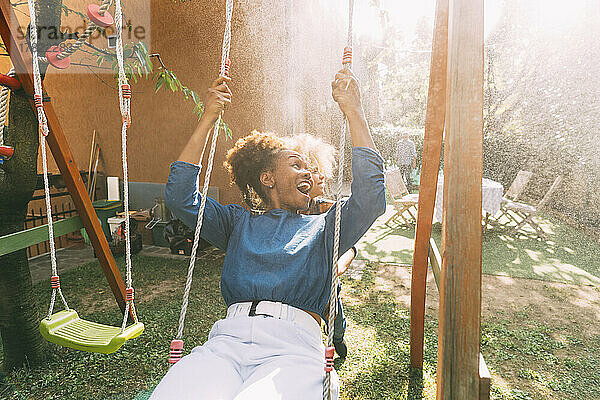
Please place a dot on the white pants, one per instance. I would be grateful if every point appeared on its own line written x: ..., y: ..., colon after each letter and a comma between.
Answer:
x: 262, y: 358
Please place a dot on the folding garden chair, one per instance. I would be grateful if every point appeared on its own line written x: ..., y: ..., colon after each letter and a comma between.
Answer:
x: 527, y: 212
x: 404, y: 203
x: 514, y: 191
x: 517, y: 186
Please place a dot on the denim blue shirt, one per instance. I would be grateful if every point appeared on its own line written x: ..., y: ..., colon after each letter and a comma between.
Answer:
x: 280, y: 255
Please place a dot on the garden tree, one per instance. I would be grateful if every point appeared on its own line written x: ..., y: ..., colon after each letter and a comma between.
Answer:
x: 21, y: 342
x: 541, y: 100
x: 402, y: 63
x: 397, y: 69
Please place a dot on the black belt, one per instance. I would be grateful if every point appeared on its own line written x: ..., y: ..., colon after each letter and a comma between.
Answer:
x: 252, y: 312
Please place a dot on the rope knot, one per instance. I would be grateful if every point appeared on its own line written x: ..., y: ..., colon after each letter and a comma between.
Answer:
x: 176, y: 350
x: 225, y: 68
x: 55, y: 282
x: 329, y: 352
x: 347, y: 57
x: 129, y: 294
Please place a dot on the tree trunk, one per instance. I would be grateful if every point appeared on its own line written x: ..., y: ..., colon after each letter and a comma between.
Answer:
x: 21, y: 341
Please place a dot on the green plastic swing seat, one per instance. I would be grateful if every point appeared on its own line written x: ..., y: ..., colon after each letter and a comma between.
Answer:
x: 65, y: 328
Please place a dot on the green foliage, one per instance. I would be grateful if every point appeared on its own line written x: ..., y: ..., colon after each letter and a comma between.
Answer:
x: 67, y: 11
x: 138, y: 65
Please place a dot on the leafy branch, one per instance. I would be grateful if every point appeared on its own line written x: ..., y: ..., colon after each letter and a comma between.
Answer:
x: 66, y: 10
x: 138, y: 64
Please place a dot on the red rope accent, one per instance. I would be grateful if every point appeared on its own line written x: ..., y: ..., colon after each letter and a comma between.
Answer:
x: 129, y: 294
x: 55, y: 281
x: 176, y: 351
x: 126, y: 90
x: 347, y: 57
x: 227, y: 65
x: 38, y: 101
x: 329, y: 352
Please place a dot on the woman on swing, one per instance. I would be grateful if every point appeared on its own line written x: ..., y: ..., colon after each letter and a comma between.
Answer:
x: 276, y: 277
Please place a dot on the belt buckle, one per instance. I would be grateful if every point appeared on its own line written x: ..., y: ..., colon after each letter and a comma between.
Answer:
x: 252, y: 312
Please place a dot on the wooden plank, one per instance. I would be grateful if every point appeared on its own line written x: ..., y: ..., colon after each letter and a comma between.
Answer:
x: 21, y: 59
x: 20, y: 240
x: 435, y: 259
x: 484, y: 373
x: 432, y: 148
x: 460, y: 289
x: 485, y: 379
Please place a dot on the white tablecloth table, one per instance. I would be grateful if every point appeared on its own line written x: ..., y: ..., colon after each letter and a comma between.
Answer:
x: 491, y: 197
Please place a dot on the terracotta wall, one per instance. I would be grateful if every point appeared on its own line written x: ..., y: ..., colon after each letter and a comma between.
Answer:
x: 283, y: 54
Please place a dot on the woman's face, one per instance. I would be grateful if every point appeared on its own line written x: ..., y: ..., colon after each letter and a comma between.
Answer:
x: 318, y: 179
x: 289, y: 183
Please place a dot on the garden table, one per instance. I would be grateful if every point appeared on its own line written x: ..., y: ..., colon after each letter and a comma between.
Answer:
x: 492, y: 192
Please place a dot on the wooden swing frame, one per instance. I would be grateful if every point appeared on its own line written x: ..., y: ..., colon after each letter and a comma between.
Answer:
x: 17, y: 49
x: 454, y: 104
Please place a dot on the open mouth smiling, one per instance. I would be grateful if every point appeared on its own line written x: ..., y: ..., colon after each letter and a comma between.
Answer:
x: 304, y: 187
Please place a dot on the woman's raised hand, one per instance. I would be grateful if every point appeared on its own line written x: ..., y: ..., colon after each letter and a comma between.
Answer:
x: 217, y: 96
x: 346, y: 92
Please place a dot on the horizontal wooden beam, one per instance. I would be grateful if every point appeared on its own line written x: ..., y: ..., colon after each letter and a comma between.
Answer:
x: 435, y: 260
x: 485, y: 379
x: 21, y: 240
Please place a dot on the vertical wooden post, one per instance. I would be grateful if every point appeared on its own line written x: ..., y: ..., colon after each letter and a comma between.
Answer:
x: 460, y: 292
x: 20, y: 56
x: 432, y: 148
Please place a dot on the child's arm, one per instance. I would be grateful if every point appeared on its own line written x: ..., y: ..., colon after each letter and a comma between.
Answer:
x: 345, y: 260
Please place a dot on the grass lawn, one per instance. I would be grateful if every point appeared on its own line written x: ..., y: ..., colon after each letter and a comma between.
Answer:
x: 530, y: 357
x: 567, y: 255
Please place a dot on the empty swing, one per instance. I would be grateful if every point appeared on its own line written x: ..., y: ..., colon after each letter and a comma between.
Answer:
x: 65, y: 327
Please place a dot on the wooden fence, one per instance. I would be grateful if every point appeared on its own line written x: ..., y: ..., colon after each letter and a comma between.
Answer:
x: 62, y: 208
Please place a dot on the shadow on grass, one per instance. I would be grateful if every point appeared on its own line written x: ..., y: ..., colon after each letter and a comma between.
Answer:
x: 567, y: 255
x: 530, y: 357
x: 378, y: 365
x: 388, y: 244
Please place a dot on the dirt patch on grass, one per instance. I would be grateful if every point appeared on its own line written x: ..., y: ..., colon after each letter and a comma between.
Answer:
x: 551, y: 303
x: 542, y: 337
x: 103, y: 300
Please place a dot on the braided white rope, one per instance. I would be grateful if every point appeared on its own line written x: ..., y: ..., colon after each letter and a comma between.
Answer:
x: 43, y: 127
x: 336, y: 233
x: 123, y: 102
x: 209, y: 162
x: 350, y: 21
x: 85, y: 35
x: 124, y: 106
x: 4, y: 106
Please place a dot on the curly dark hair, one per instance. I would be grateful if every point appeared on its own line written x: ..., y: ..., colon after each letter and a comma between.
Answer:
x: 251, y: 156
